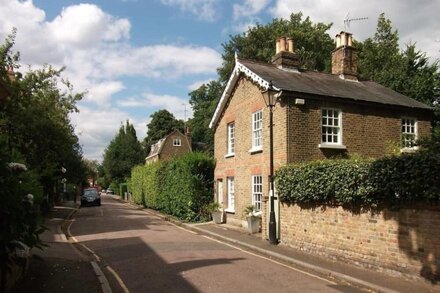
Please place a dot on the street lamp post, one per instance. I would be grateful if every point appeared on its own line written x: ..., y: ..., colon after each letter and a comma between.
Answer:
x: 270, y: 96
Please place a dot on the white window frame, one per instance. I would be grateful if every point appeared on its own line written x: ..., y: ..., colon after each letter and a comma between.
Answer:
x: 257, y: 192
x: 177, y: 142
x: 230, y: 181
x: 231, y: 139
x: 257, y: 131
x: 328, y: 118
x: 408, y: 127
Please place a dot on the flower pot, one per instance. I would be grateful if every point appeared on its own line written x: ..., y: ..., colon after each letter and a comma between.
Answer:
x: 253, y: 224
x: 218, y: 217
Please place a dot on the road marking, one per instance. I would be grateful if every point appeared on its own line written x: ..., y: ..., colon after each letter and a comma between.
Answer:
x: 271, y: 260
x: 121, y: 283
x: 181, y: 228
x: 102, y: 278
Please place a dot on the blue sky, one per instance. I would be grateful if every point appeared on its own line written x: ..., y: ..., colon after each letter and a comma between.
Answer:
x: 135, y: 57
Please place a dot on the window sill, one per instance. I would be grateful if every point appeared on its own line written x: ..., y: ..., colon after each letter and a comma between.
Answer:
x: 229, y: 211
x: 409, y: 150
x: 256, y: 150
x: 229, y: 155
x: 332, y: 146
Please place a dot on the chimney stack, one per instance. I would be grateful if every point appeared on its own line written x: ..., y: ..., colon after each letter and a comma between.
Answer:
x: 285, y: 57
x: 344, y: 57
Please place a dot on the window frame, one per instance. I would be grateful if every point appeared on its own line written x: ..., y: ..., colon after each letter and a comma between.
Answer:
x: 230, y: 182
x: 403, y: 133
x: 177, y: 142
x: 257, y: 120
x: 257, y: 192
x: 339, y: 127
x: 230, y: 141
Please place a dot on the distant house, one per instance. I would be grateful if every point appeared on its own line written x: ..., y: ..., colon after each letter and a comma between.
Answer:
x: 173, y: 145
x: 317, y: 116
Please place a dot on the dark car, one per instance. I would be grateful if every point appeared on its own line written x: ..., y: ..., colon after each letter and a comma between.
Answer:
x: 90, y: 196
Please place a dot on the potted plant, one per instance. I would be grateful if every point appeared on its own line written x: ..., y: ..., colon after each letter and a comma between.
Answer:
x: 253, y: 219
x: 217, y: 212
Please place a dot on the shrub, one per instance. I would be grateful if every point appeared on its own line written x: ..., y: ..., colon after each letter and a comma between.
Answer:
x: 186, y: 186
x: 144, y: 185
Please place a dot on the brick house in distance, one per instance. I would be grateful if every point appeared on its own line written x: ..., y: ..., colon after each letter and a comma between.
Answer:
x: 317, y: 116
x: 173, y: 145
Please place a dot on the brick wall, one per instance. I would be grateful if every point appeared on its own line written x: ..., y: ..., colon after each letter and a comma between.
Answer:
x: 367, y: 130
x: 246, y: 100
x: 170, y: 151
x: 403, y: 242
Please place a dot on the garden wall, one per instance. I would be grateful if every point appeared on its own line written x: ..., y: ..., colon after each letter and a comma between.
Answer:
x: 404, y: 242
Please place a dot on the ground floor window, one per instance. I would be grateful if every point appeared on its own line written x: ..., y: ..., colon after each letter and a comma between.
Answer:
x: 257, y: 192
x: 231, y: 194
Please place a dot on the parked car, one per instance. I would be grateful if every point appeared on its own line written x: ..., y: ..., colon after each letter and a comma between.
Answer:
x: 103, y: 191
x: 90, y: 196
x: 110, y: 191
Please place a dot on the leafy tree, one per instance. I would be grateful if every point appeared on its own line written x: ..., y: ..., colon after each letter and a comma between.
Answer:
x: 162, y: 123
x: 204, y: 101
x: 408, y: 72
x: 122, y: 154
x: 312, y: 43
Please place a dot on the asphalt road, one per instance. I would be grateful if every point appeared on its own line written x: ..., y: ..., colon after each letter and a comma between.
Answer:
x: 149, y: 254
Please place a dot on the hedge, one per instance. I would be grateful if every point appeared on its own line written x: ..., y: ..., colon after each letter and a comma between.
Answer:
x: 181, y: 187
x: 395, y: 179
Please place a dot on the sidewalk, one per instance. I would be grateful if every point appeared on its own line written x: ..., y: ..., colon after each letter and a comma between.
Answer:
x: 59, y: 267
x: 355, y: 275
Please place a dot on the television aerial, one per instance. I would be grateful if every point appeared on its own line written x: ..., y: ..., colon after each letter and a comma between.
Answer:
x: 348, y: 20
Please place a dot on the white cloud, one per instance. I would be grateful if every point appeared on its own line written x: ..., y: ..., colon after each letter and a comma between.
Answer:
x: 195, y: 85
x: 249, y: 8
x: 415, y: 21
x: 202, y: 9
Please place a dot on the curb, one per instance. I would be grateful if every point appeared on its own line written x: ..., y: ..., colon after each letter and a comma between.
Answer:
x: 268, y: 253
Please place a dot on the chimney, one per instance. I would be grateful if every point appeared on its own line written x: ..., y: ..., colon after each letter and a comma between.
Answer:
x: 344, y: 57
x: 188, y: 136
x: 285, y: 57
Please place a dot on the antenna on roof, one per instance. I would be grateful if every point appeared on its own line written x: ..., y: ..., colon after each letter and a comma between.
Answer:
x: 348, y: 20
x: 184, y: 119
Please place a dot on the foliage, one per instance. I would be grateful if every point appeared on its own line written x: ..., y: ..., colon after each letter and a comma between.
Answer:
x: 409, y: 72
x: 312, y: 44
x: 181, y: 187
x: 204, y: 101
x: 162, y: 123
x: 214, y: 207
x: 390, y: 180
x: 123, y: 152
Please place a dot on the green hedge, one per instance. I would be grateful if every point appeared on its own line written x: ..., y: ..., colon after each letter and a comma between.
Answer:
x: 181, y: 187
x: 396, y: 179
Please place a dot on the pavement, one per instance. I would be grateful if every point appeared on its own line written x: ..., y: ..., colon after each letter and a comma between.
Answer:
x: 60, y: 267
x: 355, y: 275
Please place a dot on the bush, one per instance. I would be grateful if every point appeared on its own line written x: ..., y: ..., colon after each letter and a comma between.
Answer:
x: 390, y: 180
x: 144, y: 185
x: 186, y: 186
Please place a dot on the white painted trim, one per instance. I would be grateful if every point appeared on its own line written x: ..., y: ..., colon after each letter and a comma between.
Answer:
x: 239, y: 68
x: 331, y: 146
x: 229, y: 155
x: 255, y: 150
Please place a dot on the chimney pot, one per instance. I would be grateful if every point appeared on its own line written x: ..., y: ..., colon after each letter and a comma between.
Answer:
x: 277, y: 47
x: 285, y: 57
x: 282, y: 44
x: 290, y: 47
x: 338, y: 40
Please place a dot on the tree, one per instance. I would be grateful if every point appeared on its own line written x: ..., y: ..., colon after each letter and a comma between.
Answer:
x: 162, y: 123
x: 408, y: 72
x: 204, y: 101
x: 122, y: 154
x: 312, y: 44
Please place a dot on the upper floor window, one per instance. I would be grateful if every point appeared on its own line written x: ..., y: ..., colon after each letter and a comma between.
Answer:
x: 409, y: 132
x: 231, y: 138
x: 177, y: 142
x: 257, y: 130
x: 331, y: 126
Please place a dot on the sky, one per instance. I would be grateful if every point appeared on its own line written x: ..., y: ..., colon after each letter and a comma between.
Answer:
x: 134, y: 57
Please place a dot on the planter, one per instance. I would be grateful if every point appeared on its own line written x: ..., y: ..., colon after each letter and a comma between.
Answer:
x: 218, y: 217
x: 253, y: 224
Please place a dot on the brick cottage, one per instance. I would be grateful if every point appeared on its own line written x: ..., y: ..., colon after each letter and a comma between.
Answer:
x: 173, y: 145
x: 317, y: 116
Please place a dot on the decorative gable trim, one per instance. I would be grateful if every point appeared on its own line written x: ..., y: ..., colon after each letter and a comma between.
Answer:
x: 239, y: 68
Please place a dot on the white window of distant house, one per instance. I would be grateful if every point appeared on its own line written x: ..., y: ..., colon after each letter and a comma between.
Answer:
x: 257, y: 192
x: 231, y: 194
x: 409, y: 132
x: 231, y: 138
x: 257, y: 130
x: 177, y: 142
x: 331, y: 126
